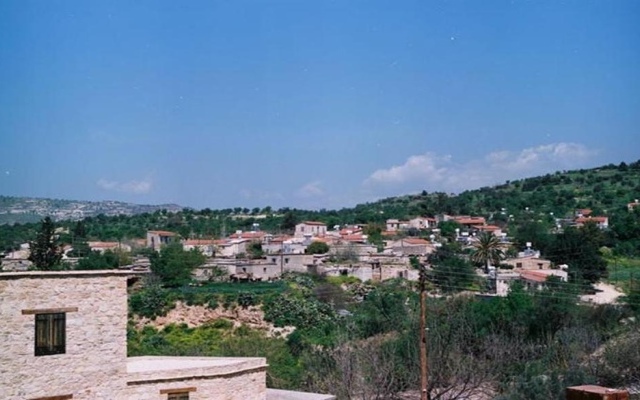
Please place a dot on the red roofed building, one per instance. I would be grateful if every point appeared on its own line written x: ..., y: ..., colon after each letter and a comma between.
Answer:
x: 540, y: 276
x: 583, y: 212
x: 470, y: 222
x: 633, y: 205
x: 601, y: 222
x: 495, y: 230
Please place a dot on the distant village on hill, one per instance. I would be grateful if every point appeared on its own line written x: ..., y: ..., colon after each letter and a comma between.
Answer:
x: 30, y: 209
x: 540, y: 271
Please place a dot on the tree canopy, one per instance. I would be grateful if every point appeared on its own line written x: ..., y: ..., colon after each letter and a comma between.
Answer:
x: 487, y: 250
x: 45, y: 251
x: 317, y: 247
x: 174, y: 266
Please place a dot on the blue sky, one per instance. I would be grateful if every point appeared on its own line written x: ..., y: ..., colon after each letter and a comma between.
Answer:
x: 309, y: 104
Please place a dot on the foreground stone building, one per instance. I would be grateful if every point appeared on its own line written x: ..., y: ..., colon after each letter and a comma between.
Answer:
x: 64, y: 337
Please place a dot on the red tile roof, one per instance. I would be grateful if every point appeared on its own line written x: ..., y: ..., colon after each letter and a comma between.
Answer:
x: 248, y: 235
x: 489, y: 228
x: 199, y: 242
x: 582, y: 220
x: 470, y: 220
x: 354, y: 238
x: 535, y: 276
x: 163, y: 233
x: 416, y: 241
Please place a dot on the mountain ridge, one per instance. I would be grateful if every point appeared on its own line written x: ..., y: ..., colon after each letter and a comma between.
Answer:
x: 23, y: 209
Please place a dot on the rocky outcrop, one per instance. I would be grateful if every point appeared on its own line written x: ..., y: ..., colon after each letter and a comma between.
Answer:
x: 195, y: 316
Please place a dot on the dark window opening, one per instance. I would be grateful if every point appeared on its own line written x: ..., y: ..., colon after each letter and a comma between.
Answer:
x: 178, y: 396
x: 50, y: 334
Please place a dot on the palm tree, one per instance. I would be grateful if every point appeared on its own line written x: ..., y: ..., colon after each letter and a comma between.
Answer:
x: 487, y: 250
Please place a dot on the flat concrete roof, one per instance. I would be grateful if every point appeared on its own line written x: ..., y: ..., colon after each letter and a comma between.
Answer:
x: 161, y: 363
x: 69, y: 274
x: 160, y: 368
x: 277, y: 394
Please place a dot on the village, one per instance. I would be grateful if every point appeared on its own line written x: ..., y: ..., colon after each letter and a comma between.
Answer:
x: 257, y: 255
x: 332, y: 272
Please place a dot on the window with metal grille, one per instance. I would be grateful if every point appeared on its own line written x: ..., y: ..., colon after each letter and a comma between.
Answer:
x: 179, y: 396
x: 50, y: 334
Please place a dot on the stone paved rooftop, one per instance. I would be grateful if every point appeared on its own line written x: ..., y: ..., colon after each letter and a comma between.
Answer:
x: 277, y: 394
x: 151, y: 368
x: 69, y: 274
x: 150, y: 364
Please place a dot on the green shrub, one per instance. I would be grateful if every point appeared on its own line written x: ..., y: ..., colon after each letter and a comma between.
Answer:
x: 152, y: 301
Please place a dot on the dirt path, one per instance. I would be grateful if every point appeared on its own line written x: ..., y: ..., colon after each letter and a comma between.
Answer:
x: 608, y: 294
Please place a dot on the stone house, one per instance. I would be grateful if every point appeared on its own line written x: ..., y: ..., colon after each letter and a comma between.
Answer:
x: 101, y: 247
x: 533, y: 279
x: 410, y: 247
x: 205, y: 246
x: 157, y: 239
x: 65, y: 337
x: 259, y: 269
x: 311, y: 228
x: 422, y: 223
x: 234, y: 247
x: 286, y: 245
x: 294, y: 262
x: 529, y: 263
x: 395, y: 225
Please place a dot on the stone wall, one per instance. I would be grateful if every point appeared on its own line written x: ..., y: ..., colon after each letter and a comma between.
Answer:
x: 94, y: 363
x: 205, y: 378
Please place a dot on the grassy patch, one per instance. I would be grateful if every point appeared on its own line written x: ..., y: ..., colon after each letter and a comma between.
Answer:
x: 622, y: 270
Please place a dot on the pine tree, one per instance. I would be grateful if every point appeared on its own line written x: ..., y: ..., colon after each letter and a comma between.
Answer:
x: 46, y: 253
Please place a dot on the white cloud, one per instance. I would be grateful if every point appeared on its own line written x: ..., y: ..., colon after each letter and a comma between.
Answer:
x: 416, y: 167
x: 311, y: 189
x: 135, y: 187
x: 260, y: 195
x: 440, y: 173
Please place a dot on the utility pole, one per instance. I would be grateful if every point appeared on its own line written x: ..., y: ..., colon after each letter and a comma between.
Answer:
x: 424, y: 364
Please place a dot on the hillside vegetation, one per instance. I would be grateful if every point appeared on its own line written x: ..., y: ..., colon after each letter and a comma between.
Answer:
x: 606, y: 190
x: 359, y: 340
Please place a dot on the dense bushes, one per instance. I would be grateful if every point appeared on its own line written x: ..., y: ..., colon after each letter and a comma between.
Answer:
x: 527, y: 345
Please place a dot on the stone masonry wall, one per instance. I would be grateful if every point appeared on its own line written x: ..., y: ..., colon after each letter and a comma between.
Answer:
x: 94, y: 364
x: 244, y: 386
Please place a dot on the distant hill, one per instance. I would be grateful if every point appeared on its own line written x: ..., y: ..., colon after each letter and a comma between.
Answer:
x: 606, y: 190
x: 30, y: 209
